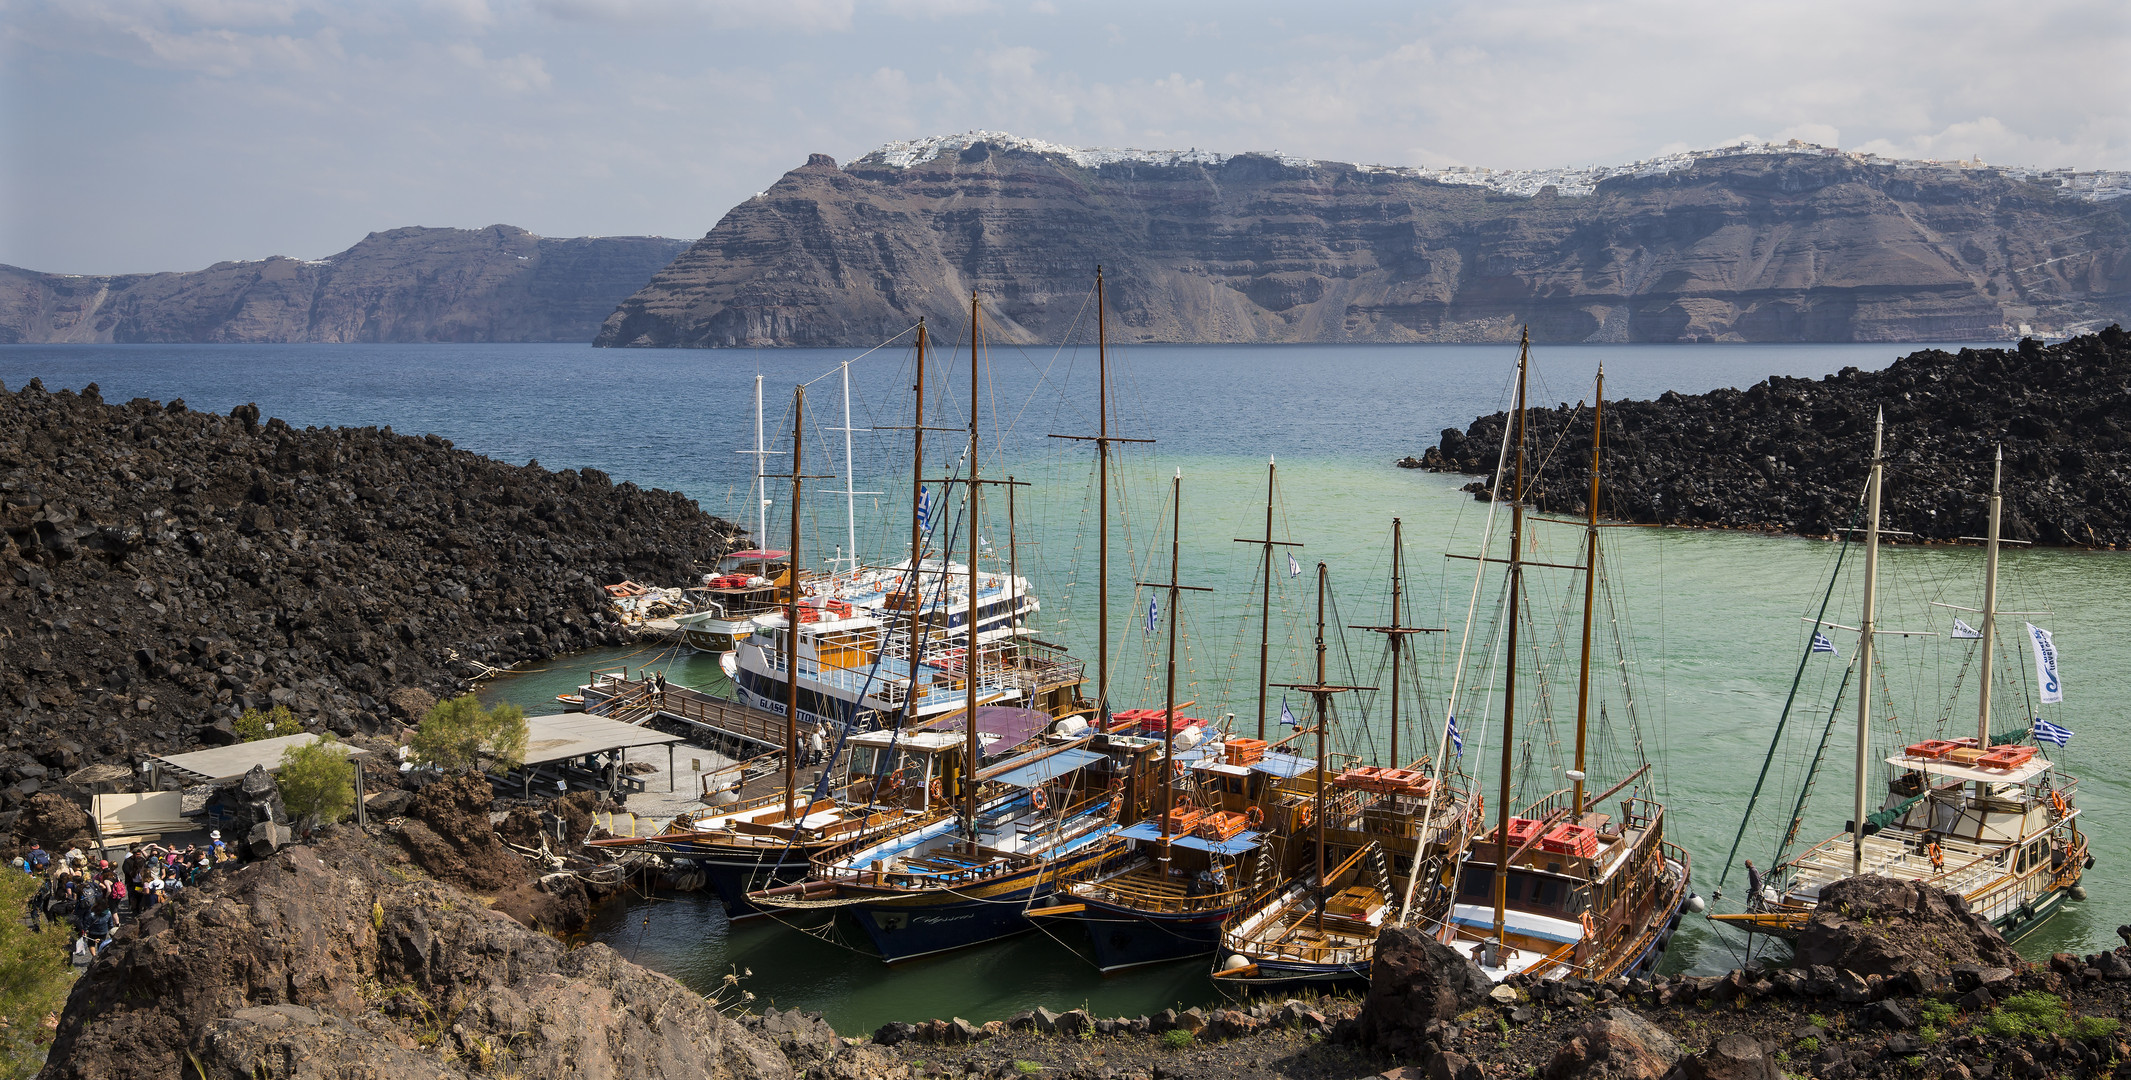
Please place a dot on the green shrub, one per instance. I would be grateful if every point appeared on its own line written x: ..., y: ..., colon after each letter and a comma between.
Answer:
x: 1027, y: 1068
x: 254, y: 725
x: 1937, y: 1013
x: 2030, y: 1012
x: 459, y: 734
x: 35, y: 976
x: 317, y: 781
x: 2094, y: 1027
x: 1176, y: 1038
x: 1808, y: 1045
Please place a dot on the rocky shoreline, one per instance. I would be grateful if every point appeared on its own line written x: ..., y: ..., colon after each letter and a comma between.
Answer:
x: 1790, y: 455
x: 165, y: 569
x: 347, y: 957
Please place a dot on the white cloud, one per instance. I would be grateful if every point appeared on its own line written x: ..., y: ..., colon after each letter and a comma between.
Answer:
x: 175, y: 132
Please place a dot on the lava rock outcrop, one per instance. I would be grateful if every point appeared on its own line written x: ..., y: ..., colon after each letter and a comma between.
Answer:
x: 163, y: 570
x: 1792, y: 455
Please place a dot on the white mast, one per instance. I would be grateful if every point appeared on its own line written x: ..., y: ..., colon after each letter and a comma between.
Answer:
x: 762, y: 495
x: 1990, y: 603
x: 850, y: 554
x: 1864, y: 648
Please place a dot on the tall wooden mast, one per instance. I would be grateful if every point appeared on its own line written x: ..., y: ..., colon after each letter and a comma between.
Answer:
x: 1398, y: 630
x: 1590, y: 592
x: 973, y: 746
x: 1321, y: 693
x: 791, y: 617
x: 1169, y: 706
x: 1102, y: 440
x: 1509, y: 684
x: 1990, y: 603
x: 1265, y: 610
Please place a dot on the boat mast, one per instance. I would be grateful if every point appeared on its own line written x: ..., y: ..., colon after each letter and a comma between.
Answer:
x: 791, y: 618
x: 1265, y: 610
x: 1590, y: 590
x: 1102, y: 440
x: 1102, y: 507
x: 1324, y: 713
x: 850, y: 495
x: 913, y: 590
x: 973, y: 745
x: 1509, y: 687
x: 1990, y: 603
x: 762, y: 494
x: 1864, y: 647
x: 1398, y: 629
x: 1176, y: 521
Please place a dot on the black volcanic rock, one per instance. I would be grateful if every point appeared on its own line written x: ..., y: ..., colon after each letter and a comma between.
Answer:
x: 1751, y: 247
x: 161, y: 569
x: 406, y: 285
x: 1792, y: 455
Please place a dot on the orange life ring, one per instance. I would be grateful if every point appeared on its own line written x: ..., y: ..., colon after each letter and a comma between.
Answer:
x: 1937, y: 856
x: 2064, y: 809
x: 892, y: 781
x: 1254, y: 817
x: 1038, y: 799
x: 1590, y: 928
x: 1302, y: 816
x: 934, y: 789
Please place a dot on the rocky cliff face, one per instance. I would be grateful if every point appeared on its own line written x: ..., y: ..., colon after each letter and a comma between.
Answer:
x: 1251, y: 248
x: 1792, y: 455
x: 495, y: 284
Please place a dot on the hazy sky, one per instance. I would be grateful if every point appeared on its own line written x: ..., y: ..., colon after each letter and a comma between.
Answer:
x: 152, y: 136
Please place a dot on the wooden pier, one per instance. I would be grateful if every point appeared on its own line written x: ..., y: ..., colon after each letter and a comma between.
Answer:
x: 730, y: 728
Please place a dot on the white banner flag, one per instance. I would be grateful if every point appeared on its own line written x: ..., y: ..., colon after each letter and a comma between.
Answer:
x: 2046, y: 665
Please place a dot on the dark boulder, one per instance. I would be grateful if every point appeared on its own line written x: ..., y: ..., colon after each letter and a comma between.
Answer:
x: 1415, y: 979
x: 1875, y: 926
x: 1734, y: 1057
x: 1618, y: 1046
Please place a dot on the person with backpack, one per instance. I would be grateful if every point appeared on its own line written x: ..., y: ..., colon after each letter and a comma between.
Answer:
x: 102, y: 922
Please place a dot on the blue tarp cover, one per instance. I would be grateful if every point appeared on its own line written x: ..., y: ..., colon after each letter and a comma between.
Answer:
x: 1236, y: 845
x: 1038, y: 773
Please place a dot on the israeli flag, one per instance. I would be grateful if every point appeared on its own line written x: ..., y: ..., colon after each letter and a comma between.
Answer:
x: 1822, y: 644
x: 1154, y: 613
x: 1457, y: 739
x: 1294, y: 569
x: 1963, y: 630
x: 1287, y: 715
x: 925, y: 508
x: 2045, y: 665
x: 2044, y: 731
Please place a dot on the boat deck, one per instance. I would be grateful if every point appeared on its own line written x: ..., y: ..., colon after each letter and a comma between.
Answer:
x: 1897, y: 853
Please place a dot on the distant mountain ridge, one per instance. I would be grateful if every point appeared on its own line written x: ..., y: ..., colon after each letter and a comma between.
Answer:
x: 500, y: 283
x: 1749, y: 243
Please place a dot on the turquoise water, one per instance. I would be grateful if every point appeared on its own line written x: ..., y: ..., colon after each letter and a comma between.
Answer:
x: 1711, y: 621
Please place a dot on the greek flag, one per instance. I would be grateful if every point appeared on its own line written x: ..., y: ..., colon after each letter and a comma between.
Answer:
x: 1457, y: 739
x: 1822, y: 644
x: 1963, y: 630
x: 1294, y: 569
x: 2045, y: 665
x: 1287, y: 715
x: 1154, y: 613
x: 925, y: 508
x: 2045, y: 731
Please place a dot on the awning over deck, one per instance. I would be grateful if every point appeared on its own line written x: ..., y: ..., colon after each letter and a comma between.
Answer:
x: 2034, y: 767
x: 221, y: 764
x: 1038, y: 773
x: 1285, y: 766
x: 1234, y: 845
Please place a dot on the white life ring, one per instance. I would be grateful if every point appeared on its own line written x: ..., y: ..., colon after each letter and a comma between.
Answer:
x: 1038, y: 799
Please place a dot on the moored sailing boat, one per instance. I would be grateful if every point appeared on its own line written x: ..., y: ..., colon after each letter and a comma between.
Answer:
x: 1981, y: 816
x: 1561, y: 887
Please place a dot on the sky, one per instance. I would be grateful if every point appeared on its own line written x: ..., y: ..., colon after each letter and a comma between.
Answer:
x: 139, y: 136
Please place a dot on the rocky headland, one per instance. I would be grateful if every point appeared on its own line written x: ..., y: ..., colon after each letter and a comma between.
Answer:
x: 500, y: 283
x: 1791, y: 455
x: 355, y: 955
x: 164, y: 569
x: 1764, y: 244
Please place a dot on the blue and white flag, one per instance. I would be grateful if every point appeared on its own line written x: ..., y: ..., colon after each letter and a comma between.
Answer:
x: 1154, y: 613
x: 1457, y: 740
x: 1822, y: 644
x: 925, y: 508
x: 1287, y: 715
x: 2046, y: 665
x: 2045, y: 731
x: 1963, y: 630
x: 1294, y: 569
